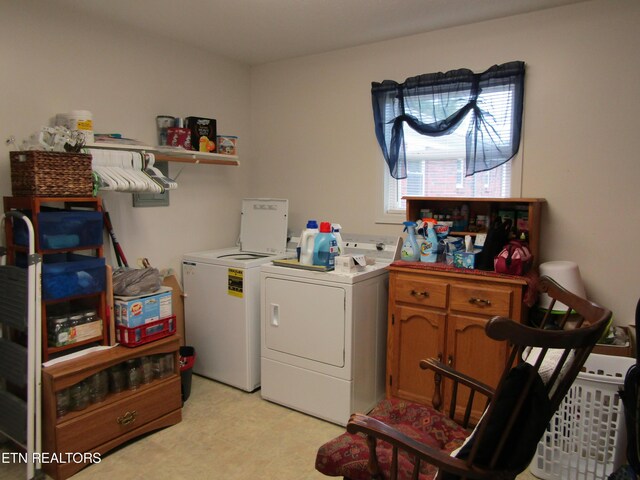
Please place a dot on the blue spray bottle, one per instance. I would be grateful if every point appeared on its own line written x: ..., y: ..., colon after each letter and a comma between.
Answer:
x: 410, y: 251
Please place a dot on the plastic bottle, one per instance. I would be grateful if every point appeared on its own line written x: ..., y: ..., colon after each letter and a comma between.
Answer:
x: 306, y: 242
x: 429, y: 248
x: 410, y: 251
x: 335, y: 229
x: 325, y: 247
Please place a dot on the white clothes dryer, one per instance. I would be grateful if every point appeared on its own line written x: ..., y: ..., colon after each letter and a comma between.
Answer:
x: 324, y: 333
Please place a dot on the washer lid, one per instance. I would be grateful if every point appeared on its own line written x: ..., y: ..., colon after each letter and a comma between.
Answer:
x: 263, y: 225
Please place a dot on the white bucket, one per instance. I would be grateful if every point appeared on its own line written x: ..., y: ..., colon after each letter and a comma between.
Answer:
x: 566, y: 274
x: 81, y: 120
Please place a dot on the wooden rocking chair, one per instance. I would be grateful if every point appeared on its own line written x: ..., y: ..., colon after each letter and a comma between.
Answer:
x: 404, y: 440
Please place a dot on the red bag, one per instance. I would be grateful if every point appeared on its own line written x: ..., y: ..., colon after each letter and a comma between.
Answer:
x: 514, y: 259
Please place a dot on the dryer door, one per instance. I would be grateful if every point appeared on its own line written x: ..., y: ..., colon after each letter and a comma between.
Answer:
x: 305, y: 320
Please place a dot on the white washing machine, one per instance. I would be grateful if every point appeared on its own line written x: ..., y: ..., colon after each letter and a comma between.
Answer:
x: 324, y: 333
x: 222, y: 296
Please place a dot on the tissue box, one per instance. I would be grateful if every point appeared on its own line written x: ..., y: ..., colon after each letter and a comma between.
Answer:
x: 465, y: 259
x: 135, y: 311
x: 350, y: 263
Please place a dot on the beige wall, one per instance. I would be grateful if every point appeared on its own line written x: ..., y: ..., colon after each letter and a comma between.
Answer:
x: 312, y: 124
x: 305, y: 125
x: 56, y: 60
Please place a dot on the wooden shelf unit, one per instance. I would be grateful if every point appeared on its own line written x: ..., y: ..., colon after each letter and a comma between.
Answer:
x: 120, y: 417
x: 484, y: 206
x: 34, y: 205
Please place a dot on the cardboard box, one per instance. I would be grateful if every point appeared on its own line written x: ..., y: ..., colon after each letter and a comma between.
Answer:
x: 135, y: 311
x: 204, y: 134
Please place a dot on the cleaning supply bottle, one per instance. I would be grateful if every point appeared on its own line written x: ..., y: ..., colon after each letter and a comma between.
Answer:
x: 410, y: 251
x: 306, y: 242
x: 335, y: 229
x: 429, y: 248
x: 325, y: 247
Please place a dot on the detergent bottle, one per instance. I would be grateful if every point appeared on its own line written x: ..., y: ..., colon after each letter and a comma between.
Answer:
x: 335, y: 229
x: 325, y: 247
x: 410, y: 251
x: 306, y: 242
x: 429, y: 248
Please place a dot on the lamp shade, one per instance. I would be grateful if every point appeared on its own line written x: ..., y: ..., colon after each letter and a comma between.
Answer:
x: 566, y: 274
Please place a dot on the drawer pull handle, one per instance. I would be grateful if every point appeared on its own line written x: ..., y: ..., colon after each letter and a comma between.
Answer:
x: 480, y: 301
x: 128, y: 418
x: 450, y: 360
x: 423, y: 294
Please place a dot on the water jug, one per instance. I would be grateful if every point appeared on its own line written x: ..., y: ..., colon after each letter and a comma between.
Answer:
x: 306, y: 242
x: 325, y: 247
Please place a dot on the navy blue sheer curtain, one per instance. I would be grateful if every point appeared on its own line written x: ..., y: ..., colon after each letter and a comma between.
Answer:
x: 435, y: 104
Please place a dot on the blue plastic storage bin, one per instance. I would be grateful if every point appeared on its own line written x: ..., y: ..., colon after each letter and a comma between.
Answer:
x: 64, y: 229
x: 76, y: 275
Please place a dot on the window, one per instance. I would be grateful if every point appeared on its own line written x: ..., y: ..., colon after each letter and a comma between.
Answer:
x: 450, y: 135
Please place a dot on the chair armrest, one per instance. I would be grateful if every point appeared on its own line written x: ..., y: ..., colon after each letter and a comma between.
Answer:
x: 442, y: 369
x: 378, y: 430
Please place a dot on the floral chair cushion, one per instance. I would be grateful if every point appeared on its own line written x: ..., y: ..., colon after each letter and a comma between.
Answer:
x: 347, y: 455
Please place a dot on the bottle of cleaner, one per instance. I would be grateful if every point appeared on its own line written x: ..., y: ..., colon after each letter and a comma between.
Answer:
x: 335, y: 229
x: 410, y: 251
x: 325, y: 247
x: 306, y: 242
x: 429, y: 248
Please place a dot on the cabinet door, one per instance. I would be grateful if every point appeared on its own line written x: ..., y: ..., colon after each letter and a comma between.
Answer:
x: 414, y: 334
x: 472, y: 352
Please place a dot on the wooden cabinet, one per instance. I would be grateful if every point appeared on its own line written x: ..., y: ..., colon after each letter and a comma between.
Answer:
x: 119, y: 417
x: 441, y: 311
x: 442, y: 314
x: 89, y: 246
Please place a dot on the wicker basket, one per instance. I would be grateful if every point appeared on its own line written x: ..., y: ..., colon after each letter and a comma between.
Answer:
x: 51, y: 174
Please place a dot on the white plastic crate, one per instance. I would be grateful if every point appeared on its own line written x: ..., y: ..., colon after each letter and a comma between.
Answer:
x: 586, y: 438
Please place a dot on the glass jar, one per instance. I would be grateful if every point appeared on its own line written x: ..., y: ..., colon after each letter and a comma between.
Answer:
x: 98, y: 386
x: 134, y: 374
x: 90, y: 316
x: 117, y: 378
x: 167, y: 364
x: 76, y: 319
x: 58, y: 330
x: 63, y: 401
x: 156, y: 366
x: 79, y: 396
x: 146, y: 366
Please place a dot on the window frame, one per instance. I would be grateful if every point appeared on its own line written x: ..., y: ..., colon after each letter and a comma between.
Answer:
x: 396, y: 218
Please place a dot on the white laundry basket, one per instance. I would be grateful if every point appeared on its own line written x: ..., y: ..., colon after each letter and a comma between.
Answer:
x: 586, y: 438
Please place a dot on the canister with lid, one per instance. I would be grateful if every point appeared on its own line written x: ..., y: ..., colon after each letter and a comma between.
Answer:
x: 90, y: 316
x: 58, y: 329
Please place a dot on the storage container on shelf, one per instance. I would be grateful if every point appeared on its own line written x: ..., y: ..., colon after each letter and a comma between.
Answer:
x: 64, y: 229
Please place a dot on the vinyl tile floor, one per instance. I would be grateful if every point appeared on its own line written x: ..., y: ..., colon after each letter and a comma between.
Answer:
x: 225, y: 434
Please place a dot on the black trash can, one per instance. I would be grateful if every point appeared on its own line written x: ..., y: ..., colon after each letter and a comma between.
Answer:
x: 187, y: 359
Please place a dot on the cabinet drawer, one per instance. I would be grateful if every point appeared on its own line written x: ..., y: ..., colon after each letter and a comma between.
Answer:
x: 486, y: 300
x: 416, y: 290
x: 100, y: 425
